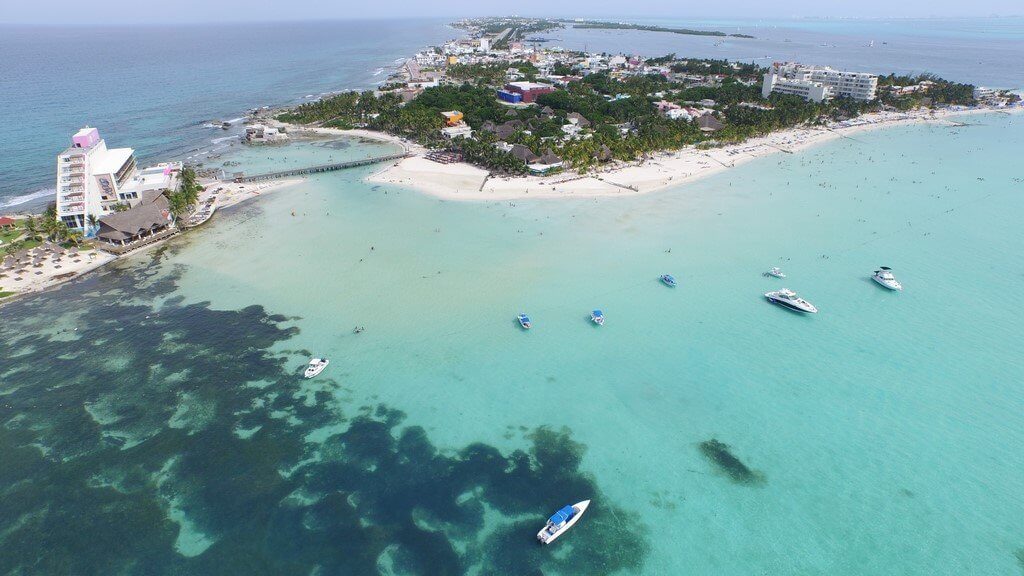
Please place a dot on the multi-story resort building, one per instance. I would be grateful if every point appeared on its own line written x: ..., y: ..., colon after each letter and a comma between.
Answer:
x: 818, y: 83
x: 92, y: 180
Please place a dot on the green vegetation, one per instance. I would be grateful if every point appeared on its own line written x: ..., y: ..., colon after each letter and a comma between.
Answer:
x: 937, y: 91
x: 619, y: 119
x: 597, y: 25
x: 345, y: 110
x: 490, y: 74
x: 182, y: 200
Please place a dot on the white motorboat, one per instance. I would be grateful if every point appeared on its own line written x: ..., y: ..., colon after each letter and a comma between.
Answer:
x: 775, y: 272
x: 597, y: 317
x: 561, y: 521
x: 789, y: 299
x: 884, y: 277
x: 316, y: 366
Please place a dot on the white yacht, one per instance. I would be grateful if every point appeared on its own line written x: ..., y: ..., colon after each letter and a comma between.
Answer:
x: 789, y: 299
x: 316, y: 366
x: 775, y: 272
x: 884, y: 277
x: 561, y: 521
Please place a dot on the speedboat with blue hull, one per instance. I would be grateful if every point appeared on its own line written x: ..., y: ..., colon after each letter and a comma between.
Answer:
x: 668, y: 280
x: 524, y: 321
x: 597, y: 317
x: 561, y: 521
x: 789, y: 299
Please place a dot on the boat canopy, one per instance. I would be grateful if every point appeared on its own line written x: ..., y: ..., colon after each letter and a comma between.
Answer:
x: 562, y: 516
x: 598, y: 313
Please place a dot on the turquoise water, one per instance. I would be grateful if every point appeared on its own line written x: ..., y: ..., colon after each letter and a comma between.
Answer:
x: 880, y: 436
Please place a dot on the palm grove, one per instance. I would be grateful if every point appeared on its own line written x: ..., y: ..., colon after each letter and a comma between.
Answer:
x: 622, y: 121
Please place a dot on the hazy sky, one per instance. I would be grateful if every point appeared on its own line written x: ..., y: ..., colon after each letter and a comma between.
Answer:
x: 157, y: 11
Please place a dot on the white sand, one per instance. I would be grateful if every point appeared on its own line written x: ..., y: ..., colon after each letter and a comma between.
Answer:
x: 461, y: 181
x: 231, y: 193
x: 48, y: 274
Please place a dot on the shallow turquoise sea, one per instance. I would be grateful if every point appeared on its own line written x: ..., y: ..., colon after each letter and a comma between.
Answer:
x: 884, y: 435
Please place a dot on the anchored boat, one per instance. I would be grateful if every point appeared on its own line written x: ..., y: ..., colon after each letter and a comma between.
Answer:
x: 884, y: 277
x: 560, y: 522
x: 316, y: 366
x: 668, y: 280
x: 789, y: 299
x: 597, y: 317
x: 524, y: 321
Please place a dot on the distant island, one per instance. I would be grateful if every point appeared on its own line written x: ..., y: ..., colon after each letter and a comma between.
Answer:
x: 513, y: 28
x: 597, y: 25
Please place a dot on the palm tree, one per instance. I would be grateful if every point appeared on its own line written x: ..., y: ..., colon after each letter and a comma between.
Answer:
x: 59, y: 232
x: 75, y: 237
x: 177, y: 204
x: 31, y: 228
x: 93, y: 220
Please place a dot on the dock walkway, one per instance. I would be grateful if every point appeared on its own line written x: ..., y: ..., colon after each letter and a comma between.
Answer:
x: 321, y: 168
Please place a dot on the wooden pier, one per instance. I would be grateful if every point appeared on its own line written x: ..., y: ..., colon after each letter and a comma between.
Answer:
x: 321, y: 168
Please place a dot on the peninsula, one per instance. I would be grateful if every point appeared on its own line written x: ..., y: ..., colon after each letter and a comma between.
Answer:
x: 503, y: 122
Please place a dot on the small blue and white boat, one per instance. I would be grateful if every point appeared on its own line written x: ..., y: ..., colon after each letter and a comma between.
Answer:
x: 668, y: 280
x: 597, y: 317
x: 561, y: 521
x: 524, y: 321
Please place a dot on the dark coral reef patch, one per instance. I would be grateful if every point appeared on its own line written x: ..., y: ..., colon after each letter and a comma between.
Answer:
x: 158, y: 437
x: 721, y: 456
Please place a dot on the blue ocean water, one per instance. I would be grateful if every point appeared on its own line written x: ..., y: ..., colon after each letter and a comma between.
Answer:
x: 155, y: 421
x: 982, y: 51
x: 155, y: 88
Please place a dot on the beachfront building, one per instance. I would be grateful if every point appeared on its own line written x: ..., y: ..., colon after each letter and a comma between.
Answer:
x: 150, y: 217
x: 92, y: 179
x: 546, y: 164
x: 818, y: 83
x: 261, y: 134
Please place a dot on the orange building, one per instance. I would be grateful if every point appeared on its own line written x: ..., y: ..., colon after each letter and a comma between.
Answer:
x: 452, y: 118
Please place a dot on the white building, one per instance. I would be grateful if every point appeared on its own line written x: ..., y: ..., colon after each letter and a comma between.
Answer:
x: 459, y: 130
x: 818, y: 83
x: 92, y: 179
x: 678, y: 114
x: 261, y: 134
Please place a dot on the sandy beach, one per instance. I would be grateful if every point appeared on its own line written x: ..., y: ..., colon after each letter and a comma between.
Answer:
x: 462, y: 181
x: 48, y: 267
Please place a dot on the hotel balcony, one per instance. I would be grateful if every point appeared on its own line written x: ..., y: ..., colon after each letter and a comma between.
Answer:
x: 72, y: 208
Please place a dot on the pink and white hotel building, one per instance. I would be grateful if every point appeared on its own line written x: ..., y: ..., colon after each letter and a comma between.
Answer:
x: 92, y: 179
